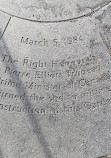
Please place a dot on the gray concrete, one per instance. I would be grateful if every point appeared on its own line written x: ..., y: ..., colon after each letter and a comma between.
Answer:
x: 55, y: 79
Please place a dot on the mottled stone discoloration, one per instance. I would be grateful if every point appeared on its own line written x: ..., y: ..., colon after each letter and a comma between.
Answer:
x: 48, y: 10
x: 107, y: 156
x: 55, y: 80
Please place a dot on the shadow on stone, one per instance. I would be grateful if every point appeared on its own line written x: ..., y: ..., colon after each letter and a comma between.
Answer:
x: 1, y: 153
x: 27, y: 104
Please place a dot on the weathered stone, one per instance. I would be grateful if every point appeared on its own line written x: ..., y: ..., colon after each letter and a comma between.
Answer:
x: 49, y: 10
x: 55, y: 79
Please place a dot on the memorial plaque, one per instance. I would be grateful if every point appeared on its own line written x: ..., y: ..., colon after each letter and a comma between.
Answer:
x: 55, y: 79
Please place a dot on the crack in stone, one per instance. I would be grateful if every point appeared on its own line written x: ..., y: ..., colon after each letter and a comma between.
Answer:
x: 105, y: 43
x: 5, y: 28
x: 57, y: 21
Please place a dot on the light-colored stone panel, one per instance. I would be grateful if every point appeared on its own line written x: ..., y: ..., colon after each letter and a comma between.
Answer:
x: 55, y: 88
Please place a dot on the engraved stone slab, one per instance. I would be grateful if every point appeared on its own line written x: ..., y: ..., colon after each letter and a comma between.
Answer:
x: 55, y: 87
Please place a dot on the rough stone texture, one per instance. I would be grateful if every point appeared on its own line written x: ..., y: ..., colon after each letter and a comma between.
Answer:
x: 50, y: 10
x: 55, y: 81
x: 4, y: 18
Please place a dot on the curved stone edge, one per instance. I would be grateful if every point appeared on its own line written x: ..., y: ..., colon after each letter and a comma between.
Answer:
x: 64, y: 20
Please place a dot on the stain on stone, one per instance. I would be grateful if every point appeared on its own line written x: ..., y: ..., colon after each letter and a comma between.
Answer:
x: 80, y: 9
x: 100, y: 17
x: 107, y: 156
x: 105, y: 43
